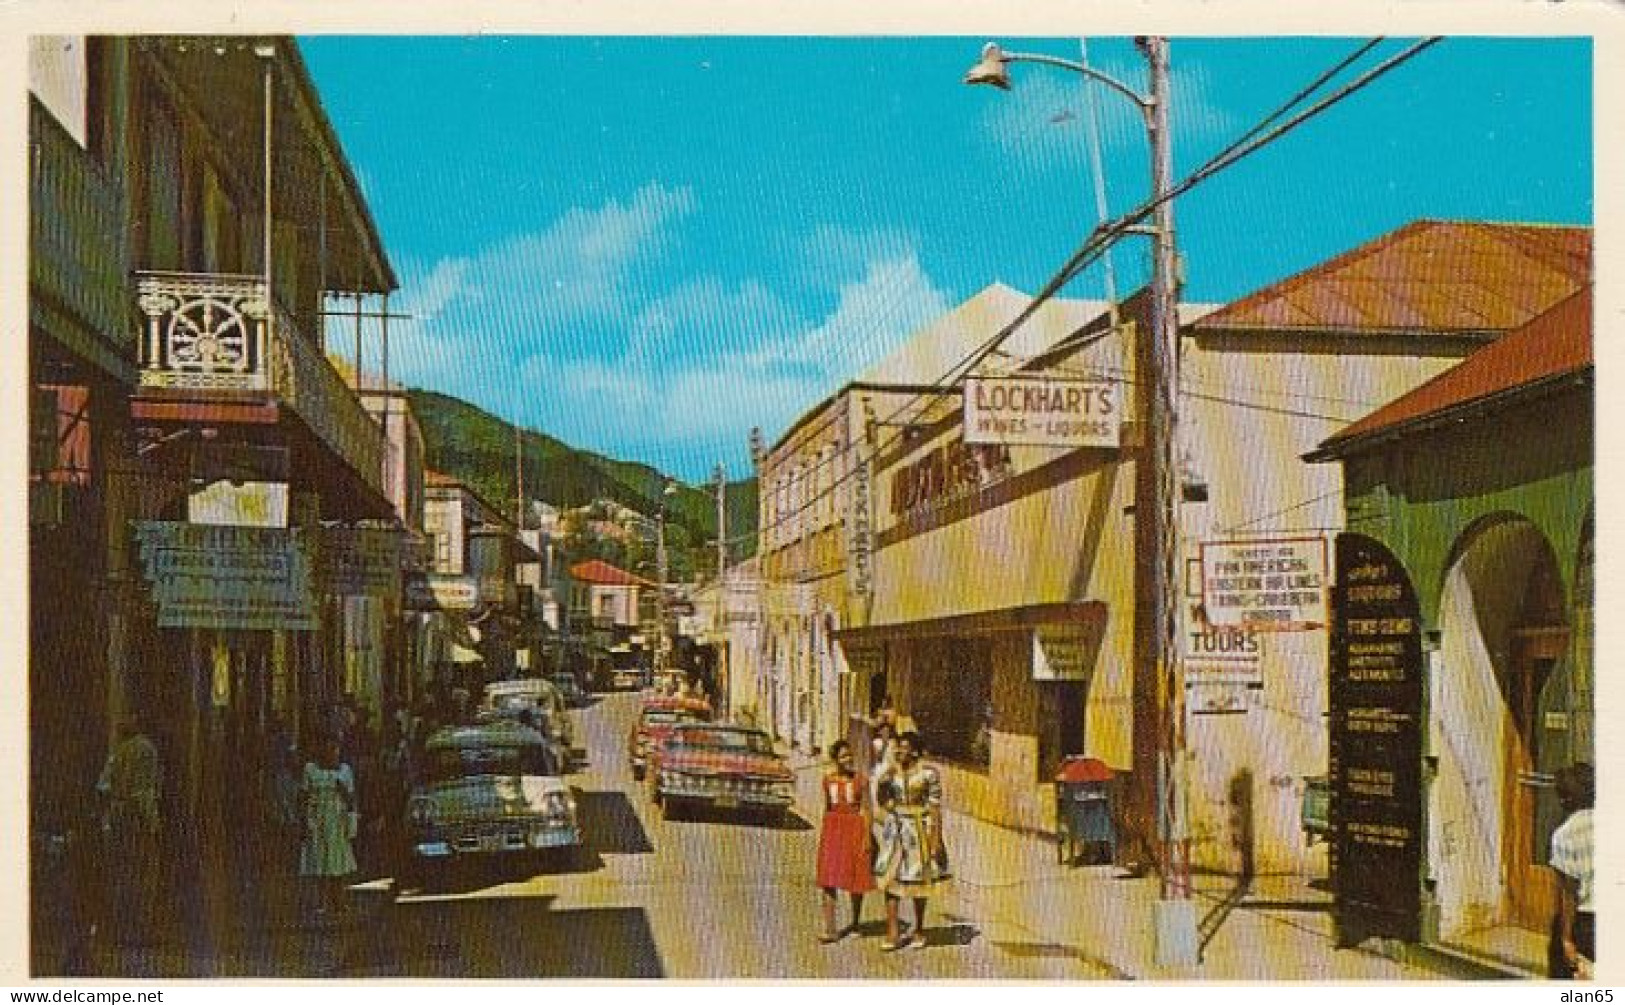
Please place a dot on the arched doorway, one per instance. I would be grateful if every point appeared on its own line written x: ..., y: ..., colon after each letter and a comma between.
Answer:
x: 1498, y: 699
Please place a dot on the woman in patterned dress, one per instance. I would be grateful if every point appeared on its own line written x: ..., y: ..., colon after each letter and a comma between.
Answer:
x: 910, y: 861
x: 843, y: 845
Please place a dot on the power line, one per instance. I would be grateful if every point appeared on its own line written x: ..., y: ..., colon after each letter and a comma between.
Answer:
x: 1105, y: 235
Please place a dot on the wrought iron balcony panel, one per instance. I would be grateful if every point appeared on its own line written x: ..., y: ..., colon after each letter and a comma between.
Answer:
x: 220, y: 334
x: 204, y: 332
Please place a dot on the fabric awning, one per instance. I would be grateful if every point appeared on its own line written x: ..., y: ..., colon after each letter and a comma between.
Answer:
x: 1010, y: 619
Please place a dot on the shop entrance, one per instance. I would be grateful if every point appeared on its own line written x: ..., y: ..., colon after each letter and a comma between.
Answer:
x: 1501, y: 700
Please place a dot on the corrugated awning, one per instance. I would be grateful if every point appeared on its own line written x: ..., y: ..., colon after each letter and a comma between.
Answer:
x: 1075, y: 612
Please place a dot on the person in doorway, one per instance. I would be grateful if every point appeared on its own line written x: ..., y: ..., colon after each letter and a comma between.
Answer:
x: 911, y: 858
x: 129, y: 787
x: 326, y: 856
x: 844, y: 842
x: 1574, y: 931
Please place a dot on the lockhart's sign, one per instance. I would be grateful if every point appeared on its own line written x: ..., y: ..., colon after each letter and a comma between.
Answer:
x: 860, y: 559
x: 1065, y: 652
x: 248, y: 578
x: 1376, y: 744
x: 1043, y: 412
x: 1275, y: 585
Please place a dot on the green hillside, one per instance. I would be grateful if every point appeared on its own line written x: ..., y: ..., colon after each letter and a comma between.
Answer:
x: 477, y: 448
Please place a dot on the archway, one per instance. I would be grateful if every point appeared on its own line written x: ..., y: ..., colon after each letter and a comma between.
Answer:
x: 1501, y: 664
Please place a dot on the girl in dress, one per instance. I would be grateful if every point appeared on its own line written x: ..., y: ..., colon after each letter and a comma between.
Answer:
x: 325, y: 855
x: 910, y: 860
x: 843, y: 846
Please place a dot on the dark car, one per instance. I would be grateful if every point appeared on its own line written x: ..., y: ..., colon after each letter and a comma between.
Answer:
x: 724, y: 767
x: 490, y: 791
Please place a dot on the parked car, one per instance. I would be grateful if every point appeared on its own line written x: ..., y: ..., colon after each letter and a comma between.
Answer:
x: 515, y: 697
x: 725, y: 767
x: 659, y: 716
x: 492, y: 791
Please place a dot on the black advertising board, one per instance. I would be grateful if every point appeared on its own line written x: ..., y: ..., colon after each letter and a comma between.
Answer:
x: 1376, y: 744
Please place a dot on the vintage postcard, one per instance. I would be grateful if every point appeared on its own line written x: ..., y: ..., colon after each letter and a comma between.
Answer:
x: 1068, y: 496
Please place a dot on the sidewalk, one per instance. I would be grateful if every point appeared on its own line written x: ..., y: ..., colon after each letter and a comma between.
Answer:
x: 1278, y: 930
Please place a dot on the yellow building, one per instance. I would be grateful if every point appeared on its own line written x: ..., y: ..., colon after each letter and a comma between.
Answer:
x: 989, y: 591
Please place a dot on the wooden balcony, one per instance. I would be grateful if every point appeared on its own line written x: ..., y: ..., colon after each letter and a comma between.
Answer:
x: 76, y: 266
x: 214, y: 337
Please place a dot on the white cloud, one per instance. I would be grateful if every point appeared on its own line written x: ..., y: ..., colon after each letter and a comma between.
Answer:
x: 768, y: 368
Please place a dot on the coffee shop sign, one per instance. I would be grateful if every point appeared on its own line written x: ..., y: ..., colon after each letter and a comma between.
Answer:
x: 1043, y: 412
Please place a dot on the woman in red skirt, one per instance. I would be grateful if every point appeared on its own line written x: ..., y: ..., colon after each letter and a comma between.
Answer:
x: 843, y: 847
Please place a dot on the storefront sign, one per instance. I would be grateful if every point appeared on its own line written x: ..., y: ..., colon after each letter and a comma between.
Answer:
x: 1276, y: 585
x: 1040, y: 412
x: 249, y: 578
x: 948, y: 473
x: 361, y: 561
x: 861, y: 551
x: 1222, y: 663
x: 1376, y: 744
x: 1064, y: 652
x: 441, y: 593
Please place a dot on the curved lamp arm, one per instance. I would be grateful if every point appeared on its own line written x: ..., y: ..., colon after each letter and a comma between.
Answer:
x: 991, y: 70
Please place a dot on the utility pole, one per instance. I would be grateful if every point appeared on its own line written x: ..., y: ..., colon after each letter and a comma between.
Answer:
x: 1176, y: 929
x: 721, y: 476
x: 518, y: 477
x: 661, y: 572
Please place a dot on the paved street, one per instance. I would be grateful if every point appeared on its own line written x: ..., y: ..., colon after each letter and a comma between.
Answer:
x: 700, y: 898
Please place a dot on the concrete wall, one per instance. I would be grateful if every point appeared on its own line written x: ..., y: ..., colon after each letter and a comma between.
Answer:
x: 1252, y: 406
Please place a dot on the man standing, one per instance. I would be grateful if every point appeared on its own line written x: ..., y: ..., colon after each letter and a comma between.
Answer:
x: 129, y: 787
x: 1575, y: 934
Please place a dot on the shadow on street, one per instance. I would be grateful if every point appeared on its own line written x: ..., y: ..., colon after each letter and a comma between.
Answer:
x: 520, y: 937
x: 611, y: 825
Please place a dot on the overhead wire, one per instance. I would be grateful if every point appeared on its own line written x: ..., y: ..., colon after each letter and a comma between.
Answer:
x: 1103, y: 236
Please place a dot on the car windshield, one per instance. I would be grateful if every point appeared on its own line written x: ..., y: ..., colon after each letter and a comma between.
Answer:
x: 447, y: 764
x: 730, y: 740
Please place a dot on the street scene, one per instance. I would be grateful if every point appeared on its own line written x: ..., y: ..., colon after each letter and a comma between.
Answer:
x: 810, y: 508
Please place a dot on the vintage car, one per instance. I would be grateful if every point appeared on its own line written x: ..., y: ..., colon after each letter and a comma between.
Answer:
x: 659, y: 716
x: 725, y: 767
x: 488, y: 792
x: 538, y: 696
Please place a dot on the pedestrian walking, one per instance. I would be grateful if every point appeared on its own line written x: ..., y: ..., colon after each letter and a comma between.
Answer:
x: 1574, y: 930
x: 326, y: 856
x: 130, y: 784
x: 911, y: 859
x: 844, y: 844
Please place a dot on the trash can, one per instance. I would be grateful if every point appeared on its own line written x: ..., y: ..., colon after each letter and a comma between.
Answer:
x: 1083, y: 810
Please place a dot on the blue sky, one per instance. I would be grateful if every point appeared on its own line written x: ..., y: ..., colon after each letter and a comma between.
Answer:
x: 646, y: 246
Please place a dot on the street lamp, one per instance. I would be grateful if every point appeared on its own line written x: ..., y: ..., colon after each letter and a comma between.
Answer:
x: 1176, y: 936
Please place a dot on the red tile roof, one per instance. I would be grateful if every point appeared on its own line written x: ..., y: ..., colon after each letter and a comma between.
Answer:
x: 1554, y: 344
x: 1428, y: 276
x: 604, y: 574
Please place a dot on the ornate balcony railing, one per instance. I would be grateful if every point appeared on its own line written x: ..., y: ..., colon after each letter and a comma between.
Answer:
x: 76, y: 220
x: 214, y: 334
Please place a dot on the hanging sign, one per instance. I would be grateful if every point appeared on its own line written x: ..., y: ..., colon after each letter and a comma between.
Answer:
x: 1222, y: 663
x: 361, y: 561
x: 1273, y: 585
x: 1043, y: 412
x: 1065, y: 652
x: 861, y: 547
x: 1375, y: 679
x: 249, y: 578
x: 441, y: 593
